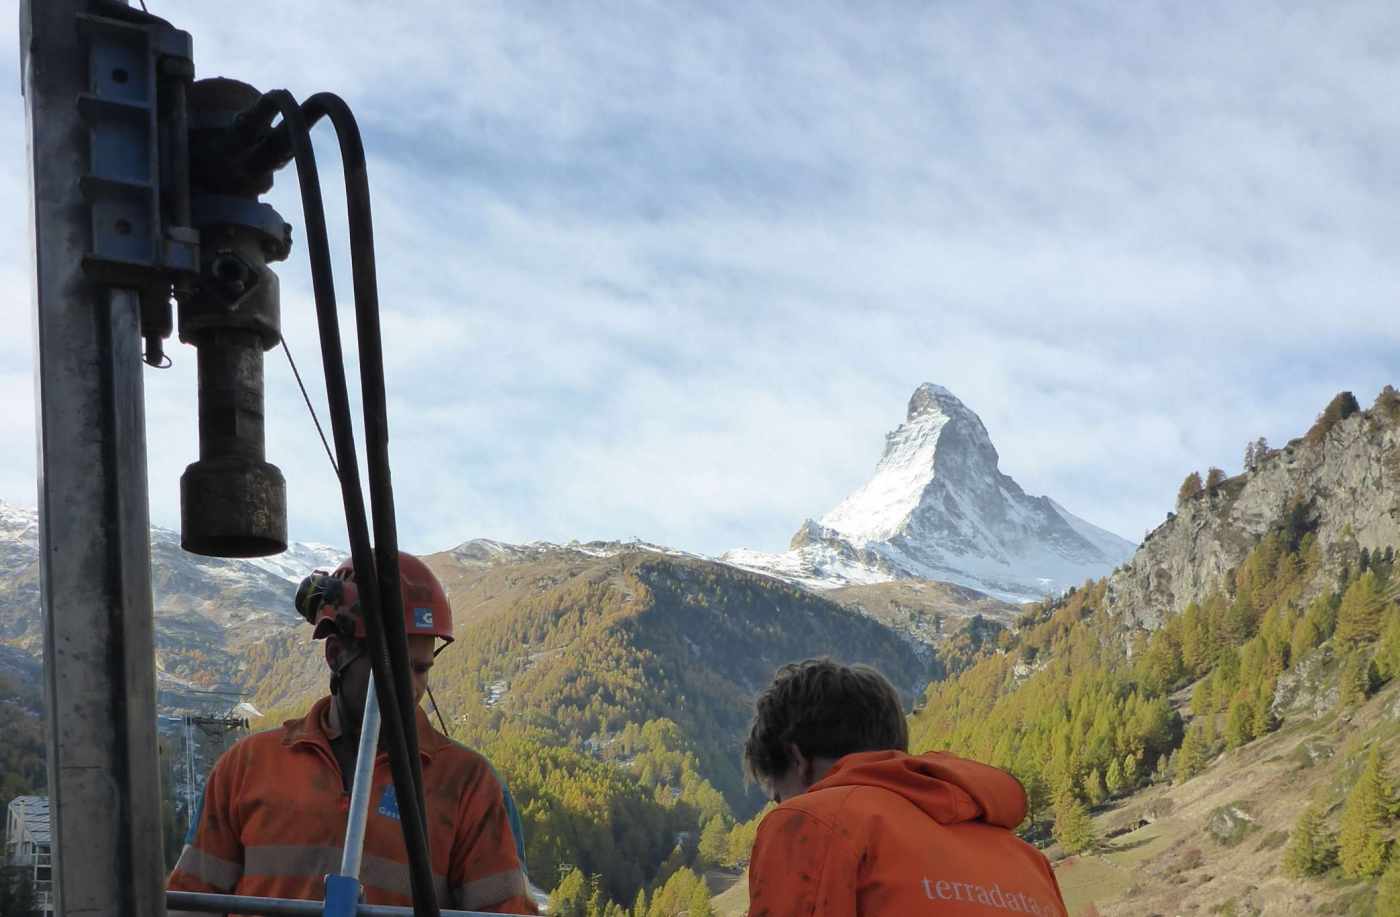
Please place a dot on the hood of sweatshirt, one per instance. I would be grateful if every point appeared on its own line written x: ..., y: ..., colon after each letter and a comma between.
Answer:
x: 947, y: 788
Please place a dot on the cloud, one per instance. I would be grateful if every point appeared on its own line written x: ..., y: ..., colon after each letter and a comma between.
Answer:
x: 673, y: 272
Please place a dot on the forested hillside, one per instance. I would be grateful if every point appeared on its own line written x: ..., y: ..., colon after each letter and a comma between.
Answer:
x: 613, y: 693
x: 22, y: 748
x: 1091, y: 699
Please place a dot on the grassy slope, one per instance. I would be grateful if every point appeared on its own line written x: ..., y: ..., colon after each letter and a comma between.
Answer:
x: 1174, y: 865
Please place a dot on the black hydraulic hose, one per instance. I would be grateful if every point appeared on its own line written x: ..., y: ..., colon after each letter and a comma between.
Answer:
x: 372, y: 389
x: 366, y: 579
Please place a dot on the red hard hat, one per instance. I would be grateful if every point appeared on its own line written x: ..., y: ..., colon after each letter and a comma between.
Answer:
x: 425, y: 607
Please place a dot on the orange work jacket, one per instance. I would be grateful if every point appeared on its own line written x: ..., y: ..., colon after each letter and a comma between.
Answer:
x: 272, y: 823
x: 886, y: 833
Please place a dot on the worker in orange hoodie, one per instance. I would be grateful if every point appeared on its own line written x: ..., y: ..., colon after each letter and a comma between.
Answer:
x: 273, y: 818
x: 862, y: 827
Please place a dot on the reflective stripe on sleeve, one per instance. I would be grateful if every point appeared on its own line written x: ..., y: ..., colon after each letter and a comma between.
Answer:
x: 290, y: 860
x: 209, y: 869
x: 394, y: 877
x: 491, y: 890
x: 316, y: 862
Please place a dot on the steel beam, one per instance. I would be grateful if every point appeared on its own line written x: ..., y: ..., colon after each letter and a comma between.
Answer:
x: 200, y: 902
x: 99, y: 678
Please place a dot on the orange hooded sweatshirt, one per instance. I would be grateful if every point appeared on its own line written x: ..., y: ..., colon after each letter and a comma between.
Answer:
x: 886, y: 833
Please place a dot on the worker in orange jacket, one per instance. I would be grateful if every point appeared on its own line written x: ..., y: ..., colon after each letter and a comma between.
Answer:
x: 273, y: 818
x: 864, y: 828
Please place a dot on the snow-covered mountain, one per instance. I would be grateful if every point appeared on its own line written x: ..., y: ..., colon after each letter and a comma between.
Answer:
x: 207, y: 610
x: 486, y: 552
x: 939, y: 508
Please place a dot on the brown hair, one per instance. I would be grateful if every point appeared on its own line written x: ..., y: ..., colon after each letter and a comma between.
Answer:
x: 827, y: 710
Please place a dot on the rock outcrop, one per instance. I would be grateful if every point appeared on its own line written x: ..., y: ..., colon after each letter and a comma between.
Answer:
x: 1343, y: 484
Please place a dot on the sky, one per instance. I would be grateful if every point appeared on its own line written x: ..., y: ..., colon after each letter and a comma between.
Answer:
x: 671, y: 271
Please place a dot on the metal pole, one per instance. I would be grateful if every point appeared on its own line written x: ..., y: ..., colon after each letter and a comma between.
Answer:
x: 343, y: 889
x: 201, y: 902
x: 363, y: 788
x: 191, y: 803
x: 99, y: 672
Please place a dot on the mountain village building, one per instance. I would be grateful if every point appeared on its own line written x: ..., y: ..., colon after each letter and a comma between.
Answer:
x: 28, y: 847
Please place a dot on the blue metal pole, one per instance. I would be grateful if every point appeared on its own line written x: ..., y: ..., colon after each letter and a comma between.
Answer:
x: 363, y: 788
x: 343, y: 889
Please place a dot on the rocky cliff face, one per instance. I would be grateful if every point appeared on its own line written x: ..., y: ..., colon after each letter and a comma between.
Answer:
x: 939, y: 508
x: 1345, y: 483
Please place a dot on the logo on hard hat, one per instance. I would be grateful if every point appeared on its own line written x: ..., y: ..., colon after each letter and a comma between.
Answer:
x: 422, y: 617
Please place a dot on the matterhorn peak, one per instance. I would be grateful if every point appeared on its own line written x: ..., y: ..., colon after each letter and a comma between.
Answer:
x: 931, y: 403
x: 929, y: 398
x: 940, y: 437
x: 939, y: 507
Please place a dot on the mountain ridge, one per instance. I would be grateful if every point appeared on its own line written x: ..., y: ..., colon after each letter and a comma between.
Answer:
x: 208, y: 611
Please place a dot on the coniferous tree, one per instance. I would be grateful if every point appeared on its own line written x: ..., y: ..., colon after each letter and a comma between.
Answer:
x: 1196, y: 642
x: 1359, y: 614
x: 1161, y: 666
x: 1094, y: 789
x: 1306, y: 637
x: 1342, y: 406
x: 1388, y: 890
x: 1191, y: 757
x: 1210, y: 739
x: 1202, y: 699
x: 1190, y: 488
x: 1312, y: 850
x: 1214, y: 478
x: 570, y: 897
x: 1249, y: 456
x: 639, y: 906
x: 1163, y: 771
x: 714, y: 842
x: 1388, y: 403
x: 699, y: 902
x: 597, y: 901
x: 1113, y: 780
x: 676, y: 895
x: 1388, y: 652
x: 1358, y: 679
x: 1362, y: 844
x: 741, y: 838
x: 1130, y: 771
x: 1037, y: 792
x: 1239, y: 723
x: 1074, y: 829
